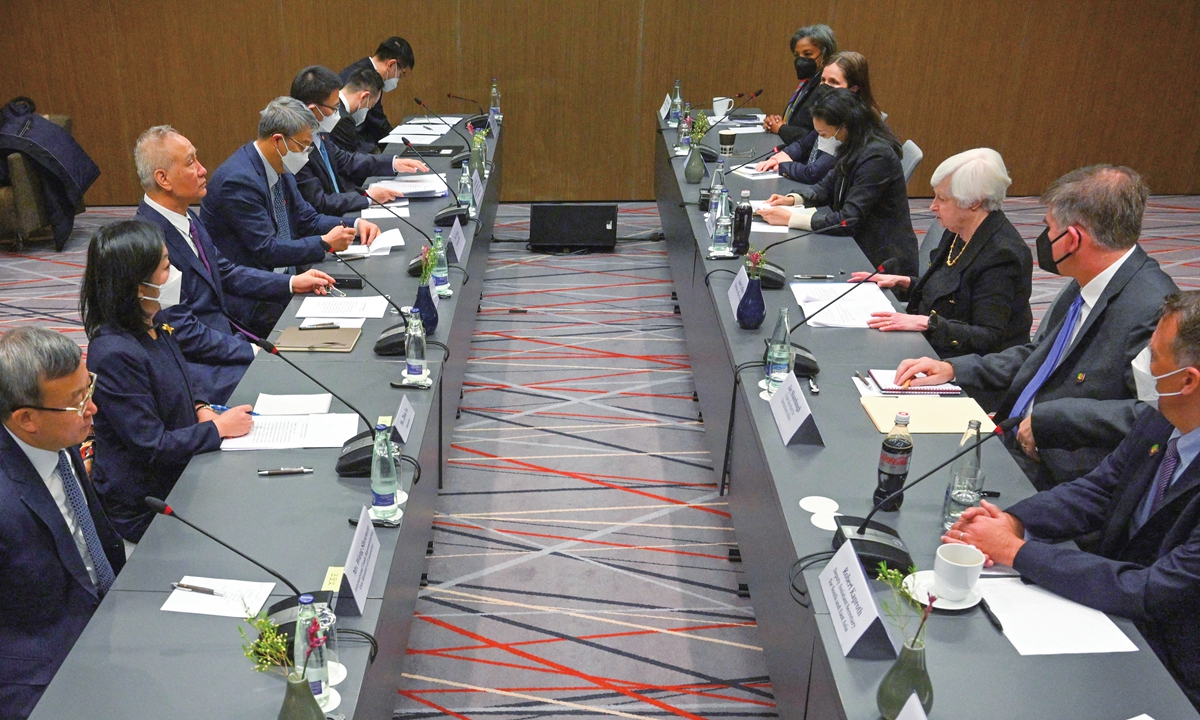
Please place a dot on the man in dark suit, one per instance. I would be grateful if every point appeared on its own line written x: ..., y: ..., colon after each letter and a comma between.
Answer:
x: 58, y: 553
x: 360, y: 92
x: 393, y: 59
x: 1143, y: 500
x: 253, y: 209
x: 331, y: 178
x: 1073, y: 384
x: 213, y: 287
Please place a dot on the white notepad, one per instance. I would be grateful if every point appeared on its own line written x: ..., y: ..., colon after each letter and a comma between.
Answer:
x: 1038, y: 622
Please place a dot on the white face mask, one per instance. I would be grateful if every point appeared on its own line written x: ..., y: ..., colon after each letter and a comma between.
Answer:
x: 360, y: 115
x: 1147, y: 382
x: 828, y: 145
x: 293, y: 161
x: 391, y: 83
x: 168, y: 292
x: 327, y: 123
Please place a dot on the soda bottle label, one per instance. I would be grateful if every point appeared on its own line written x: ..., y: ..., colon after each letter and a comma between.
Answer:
x: 386, y: 500
x: 893, y: 463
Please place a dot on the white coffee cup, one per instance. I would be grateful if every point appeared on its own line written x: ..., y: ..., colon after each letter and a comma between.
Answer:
x: 721, y: 105
x: 956, y: 570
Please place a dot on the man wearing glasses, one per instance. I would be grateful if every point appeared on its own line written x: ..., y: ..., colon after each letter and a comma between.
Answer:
x: 253, y: 210
x: 58, y: 553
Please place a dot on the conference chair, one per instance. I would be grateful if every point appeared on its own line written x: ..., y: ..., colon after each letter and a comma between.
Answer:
x: 910, y: 159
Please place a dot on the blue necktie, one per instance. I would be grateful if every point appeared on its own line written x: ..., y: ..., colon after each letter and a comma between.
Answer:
x: 1051, y: 361
x: 83, y: 516
x: 281, y: 216
x: 1162, y: 482
x: 328, y: 167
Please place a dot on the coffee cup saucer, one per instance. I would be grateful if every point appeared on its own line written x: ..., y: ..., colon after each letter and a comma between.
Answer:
x: 919, y: 583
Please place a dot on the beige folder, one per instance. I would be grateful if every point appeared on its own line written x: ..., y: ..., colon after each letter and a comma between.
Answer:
x: 294, y: 339
x: 927, y: 413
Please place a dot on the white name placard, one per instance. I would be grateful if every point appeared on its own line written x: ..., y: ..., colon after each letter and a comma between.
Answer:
x: 433, y: 292
x: 458, y: 240
x: 852, y: 607
x: 404, y: 419
x: 912, y: 709
x: 360, y: 563
x: 792, y: 415
x: 740, y: 282
x: 666, y: 107
x: 477, y: 189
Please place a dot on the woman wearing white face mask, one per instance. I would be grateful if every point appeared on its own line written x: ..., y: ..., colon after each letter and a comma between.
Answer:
x: 149, y: 424
x: 808, y: 159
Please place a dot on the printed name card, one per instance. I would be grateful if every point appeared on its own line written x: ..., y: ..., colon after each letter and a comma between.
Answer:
x: 458, y: 240
x: 740, y: 282
x: 494, y: 123
x: 792, y: 414
x: 433, y: 292
x: 404, y: 419
x: 477, y: 189
x: 360, y: 567
x: 912, y: 709
x: 666, y: 107
x: 710, y: 222
x: 852, y: 608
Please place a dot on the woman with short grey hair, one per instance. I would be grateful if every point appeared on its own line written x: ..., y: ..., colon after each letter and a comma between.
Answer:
x: 974, y: 296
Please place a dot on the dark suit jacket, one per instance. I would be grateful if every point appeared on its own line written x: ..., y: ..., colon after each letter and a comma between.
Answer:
x: 798, y: 123
x: 1151, y: 576
x: 376, y: 126
x: 238, y: 213
x: 48, y: 596
x: 1089, y: 403
x: 345, y: 133
x: 217, y: 354
x: 146, y: 429
x: 351, y: 168
x: 869, y: 191
x: 800, y: 169
x: 982, y: 301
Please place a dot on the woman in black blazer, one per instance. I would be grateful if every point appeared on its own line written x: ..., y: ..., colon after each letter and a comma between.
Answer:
x: 865, y: 195
x: 811, y: 46
x: 974, y: 296
x: 149, y: 424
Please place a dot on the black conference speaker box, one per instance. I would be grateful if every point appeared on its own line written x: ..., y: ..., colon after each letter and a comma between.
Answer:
x: 567, y: 227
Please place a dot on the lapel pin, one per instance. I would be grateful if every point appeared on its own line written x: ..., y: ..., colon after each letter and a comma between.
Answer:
x: 1080, y: 378
x: 1153, y: 449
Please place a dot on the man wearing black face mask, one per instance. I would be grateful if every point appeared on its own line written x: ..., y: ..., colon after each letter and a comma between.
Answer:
x: 811, y: 47
x: 1073, y: 384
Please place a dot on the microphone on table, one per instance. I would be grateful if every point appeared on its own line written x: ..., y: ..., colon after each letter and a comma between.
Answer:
x: 479, y: 121
x: 756, y: 158
x: 875, y: 542
x: 414, y: 265
x: 461, y: 158
x: 391, y: 340
x: 446, y: 216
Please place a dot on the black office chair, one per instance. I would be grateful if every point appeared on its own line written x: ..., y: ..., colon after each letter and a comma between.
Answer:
x: 933, y: 236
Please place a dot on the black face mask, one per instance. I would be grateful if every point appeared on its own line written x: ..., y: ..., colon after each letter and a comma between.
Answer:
x: 805, y: 68
x: 1045, y: 251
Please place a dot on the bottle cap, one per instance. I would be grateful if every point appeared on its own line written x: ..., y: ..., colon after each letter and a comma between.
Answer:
x: 414, y: 312
x: 973, y: 424
x: 305, y: 599
x: 901, y: 418
x: 380, y: 427
x: 746, y: 193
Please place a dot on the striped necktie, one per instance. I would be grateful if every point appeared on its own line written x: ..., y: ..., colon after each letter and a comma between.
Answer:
x: 328, y: 167
x: 281, y: 215
x: 83, y: 516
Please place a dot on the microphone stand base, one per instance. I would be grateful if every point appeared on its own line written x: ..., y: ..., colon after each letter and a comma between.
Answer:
x: 445, y: 216
x: 878, y: 543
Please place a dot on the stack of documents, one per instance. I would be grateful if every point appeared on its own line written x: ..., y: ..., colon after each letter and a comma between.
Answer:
x: 230, y: 598
x: 424, y: 185
x: 372, y: 306
x: 383, y: 244
x: 292, y: 404
x: 417, y: 133
x: 748, y: 172
x: 389, y: 210
x: 851, y: 311
x: 289, y: 432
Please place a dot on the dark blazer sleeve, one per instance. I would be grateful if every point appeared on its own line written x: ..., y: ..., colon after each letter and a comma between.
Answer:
x: 202, y: 344
x: 251, y: 282
x: 123, y: 389
x: 344, y: 134
x: 994, y: 298
x: 245, y: 211
x: 868, y: 181
x: 799, y: 150
x: 808, y: 173
x: 356, y: 166
x: 314, y: 190
x: 819, y: 194
x: 305, y: 219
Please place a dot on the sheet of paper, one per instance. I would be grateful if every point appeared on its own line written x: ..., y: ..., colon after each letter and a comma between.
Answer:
x: 742, y: 129
x: 378, y: 213
x: 1038, y: 622
x: 431, y: 120
x: 237, y: 598
x: 292, y: 404
x: 340, y: 322
x: 424, y: 185
x: 388, y: 239
x: 371, y: 306
x: 732, y: 120
x: 866, y: 388
x: 330, y: 430
x: 412, y: 138
x: 748, y: 172
x: 761, y: 227
x: 411, y: 129
x: 851, y: 311
x: 665, y: 107
x: 272, y: 432
x: 355, y: 251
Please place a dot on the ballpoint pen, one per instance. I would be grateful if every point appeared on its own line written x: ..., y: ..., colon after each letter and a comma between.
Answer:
x: 285, y: 471
x: 815, y: 277
x: 196, y: 589
x: 321, y: 326
x: 991, y: 616
x: 225, y: 408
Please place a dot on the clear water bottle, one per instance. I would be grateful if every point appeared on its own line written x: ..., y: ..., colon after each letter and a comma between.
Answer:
x: 306, y: 658
x: 718, y: 181
x: 893, y: 463
x: 723, y: 228
x: 966, y: 478
x: 676, y: 107
x: 383, y: 475
x: 414, y: 345
x: 494, y: 108
x: 743, y: 217
x: 466, y: 196
x: 683, y: 132
x: 779, y: 353
x: 478, y: 161
x: 441, y: 269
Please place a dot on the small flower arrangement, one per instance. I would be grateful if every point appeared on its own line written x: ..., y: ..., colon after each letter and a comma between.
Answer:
x: 755, y: 260
x: 428, y: 258
x: 904, y: 608
x: 315, y: 641
x: 269, y: 651
x: 700, y: 126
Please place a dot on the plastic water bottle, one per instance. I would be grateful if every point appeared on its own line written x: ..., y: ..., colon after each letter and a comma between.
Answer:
x: 779, y: 353
x: 893, y: 463
x: 478, y: 161
x: 441, y: 269
x: 718, y: 181
x: 466, y: 196
x: 723, y: 228
x: 683, y: 131
x: 966, y: 478
x: 676, y: 107
x: 414, y: 345
x: 494, y: 108
x: 316, y: 670
x: 383, y: 475
x: 743, y: 217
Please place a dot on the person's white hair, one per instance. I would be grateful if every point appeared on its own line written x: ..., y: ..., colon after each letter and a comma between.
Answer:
x: 149, y: 155
x: 976, y: 176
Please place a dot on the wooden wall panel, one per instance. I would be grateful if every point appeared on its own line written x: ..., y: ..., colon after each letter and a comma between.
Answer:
x: 1050, y: 85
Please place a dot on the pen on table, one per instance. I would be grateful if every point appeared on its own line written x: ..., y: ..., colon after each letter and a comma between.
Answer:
x: 863, y: 378
x: 815, y: 277
x: 196, y: 589
x: 321, y: 326
x: 285, y: 471
x: 225, y: 408
x: 991, y: 616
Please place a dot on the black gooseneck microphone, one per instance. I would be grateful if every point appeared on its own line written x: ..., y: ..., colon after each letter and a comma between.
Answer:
x: 875, y: 542
x: 445, y: 217
x: 458, y: 160
x: 270, y: 348
x: 482, y: 121
x: 162, y: 508
x: 756, y: 158
x: 414, y: 265
x: 391, y: 341
x: 452, y: 96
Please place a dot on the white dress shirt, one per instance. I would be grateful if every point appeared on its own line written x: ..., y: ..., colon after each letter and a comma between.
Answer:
x: 272, y: 176
x: 182, y: 223
x: 45, y: 463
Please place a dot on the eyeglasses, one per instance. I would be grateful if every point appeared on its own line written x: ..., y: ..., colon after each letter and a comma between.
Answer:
x: 81, y: 408
x: 304, y: 149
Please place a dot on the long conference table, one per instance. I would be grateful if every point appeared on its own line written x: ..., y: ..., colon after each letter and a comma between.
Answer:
x: 975, y: 671
x: 135, y: 661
